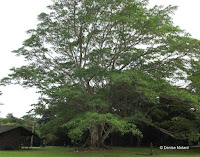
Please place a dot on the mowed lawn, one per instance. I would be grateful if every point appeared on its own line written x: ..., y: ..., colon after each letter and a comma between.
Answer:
x: 114, y: 152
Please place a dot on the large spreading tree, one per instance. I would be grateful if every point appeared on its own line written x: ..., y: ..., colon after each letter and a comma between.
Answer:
x: 103, y: 65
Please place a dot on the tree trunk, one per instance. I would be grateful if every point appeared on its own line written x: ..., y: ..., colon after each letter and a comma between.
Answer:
x: 151, y: 147
x: 94, y: 137
x: 31, y: 144
x: 33, y: 130
x: 97, y: 137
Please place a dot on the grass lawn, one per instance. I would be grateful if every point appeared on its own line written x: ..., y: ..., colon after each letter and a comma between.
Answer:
x: 115, y: 152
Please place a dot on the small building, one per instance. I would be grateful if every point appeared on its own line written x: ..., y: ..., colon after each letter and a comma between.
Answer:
x: 10, y: 136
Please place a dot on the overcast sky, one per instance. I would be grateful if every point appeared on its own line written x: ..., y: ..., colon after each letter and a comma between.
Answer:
x: 18, y: 16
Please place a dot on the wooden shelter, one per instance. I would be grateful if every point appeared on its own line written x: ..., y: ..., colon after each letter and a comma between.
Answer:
x: 10, y: 136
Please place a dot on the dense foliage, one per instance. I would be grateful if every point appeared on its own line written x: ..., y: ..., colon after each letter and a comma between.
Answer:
x: 105, y: 66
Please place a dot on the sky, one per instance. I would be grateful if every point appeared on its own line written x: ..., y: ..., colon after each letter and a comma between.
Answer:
x: 18, y: 16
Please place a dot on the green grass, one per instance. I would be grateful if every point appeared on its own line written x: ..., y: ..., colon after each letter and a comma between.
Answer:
x: 115, y: 152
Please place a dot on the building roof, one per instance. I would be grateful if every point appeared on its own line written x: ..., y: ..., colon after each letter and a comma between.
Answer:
x: 7, y: 128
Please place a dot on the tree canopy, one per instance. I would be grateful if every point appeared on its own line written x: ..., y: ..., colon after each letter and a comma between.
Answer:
x: 101, y: 66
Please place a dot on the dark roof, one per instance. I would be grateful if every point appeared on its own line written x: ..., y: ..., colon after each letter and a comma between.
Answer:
x: 7, y: 128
